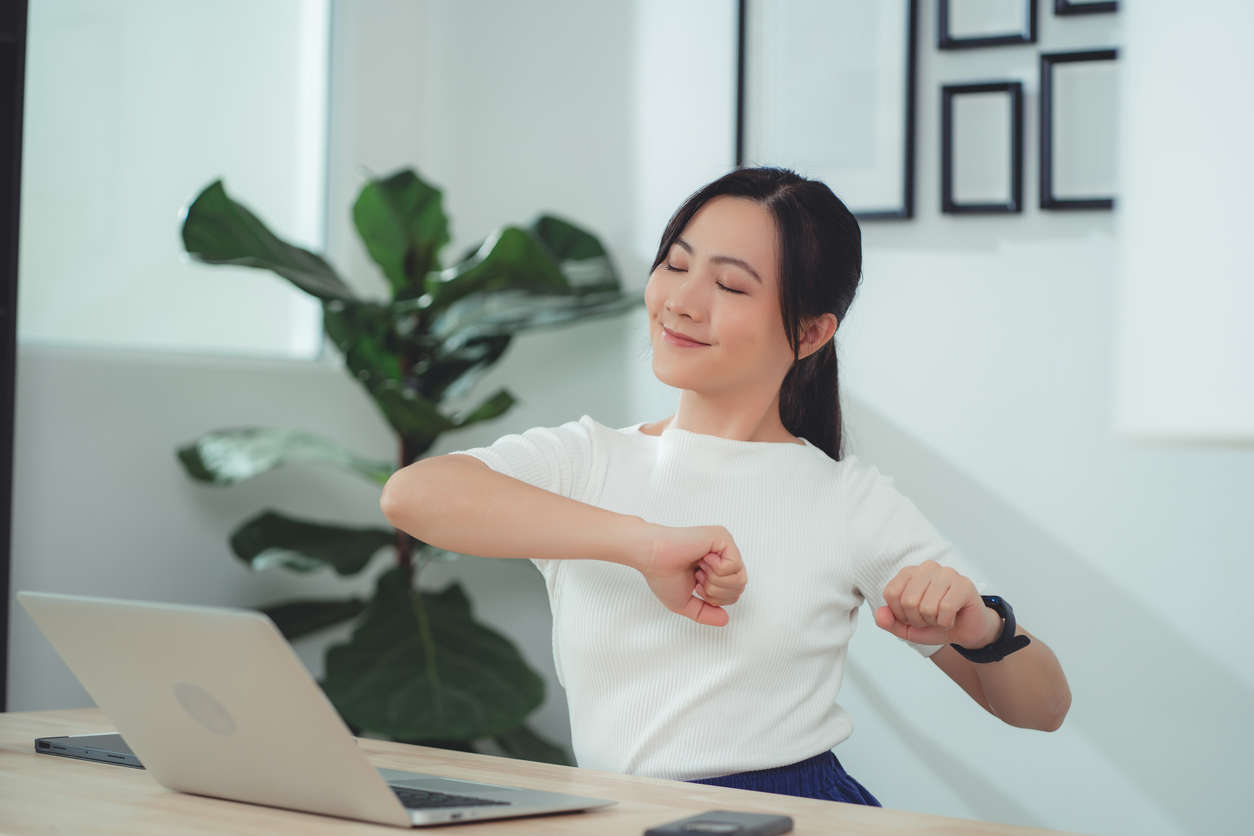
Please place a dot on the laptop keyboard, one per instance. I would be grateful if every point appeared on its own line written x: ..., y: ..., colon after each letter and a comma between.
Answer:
x: 415, y: 799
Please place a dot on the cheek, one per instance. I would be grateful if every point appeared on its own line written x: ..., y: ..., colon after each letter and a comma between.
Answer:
x: 652, y: 295
x: 741, y: 330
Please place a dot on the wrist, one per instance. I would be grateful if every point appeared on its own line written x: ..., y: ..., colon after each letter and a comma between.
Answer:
x: 633, y: 541
x: 1007, y: 640
x: 991, y: 632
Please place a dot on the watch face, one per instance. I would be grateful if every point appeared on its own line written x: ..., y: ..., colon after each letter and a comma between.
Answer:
x: 998, y: 603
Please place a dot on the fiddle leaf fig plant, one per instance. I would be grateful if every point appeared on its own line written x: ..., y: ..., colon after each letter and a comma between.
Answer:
x: 418, y: 667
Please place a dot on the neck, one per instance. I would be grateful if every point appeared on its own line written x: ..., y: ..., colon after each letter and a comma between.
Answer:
x: 734, y: 417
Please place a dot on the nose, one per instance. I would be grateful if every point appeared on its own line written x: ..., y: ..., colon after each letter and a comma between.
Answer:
x: 687, y: 296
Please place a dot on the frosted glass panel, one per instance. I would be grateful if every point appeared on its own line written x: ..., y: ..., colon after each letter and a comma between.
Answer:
x: 1184, y: 348
x: 133, y: 107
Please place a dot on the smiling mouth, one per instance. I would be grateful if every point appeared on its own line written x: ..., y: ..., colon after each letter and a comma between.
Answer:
x: 678, y: 339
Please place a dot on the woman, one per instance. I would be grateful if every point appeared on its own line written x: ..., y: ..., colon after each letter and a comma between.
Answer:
x: 705, y: 571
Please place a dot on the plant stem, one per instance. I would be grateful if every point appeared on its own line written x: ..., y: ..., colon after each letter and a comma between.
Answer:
x: 405, y: 543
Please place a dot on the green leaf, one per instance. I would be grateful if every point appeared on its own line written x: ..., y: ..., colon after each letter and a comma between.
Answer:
x: 489, y: 314
x: 421, y: 424
x: 565, y: 240
x: 494, y: 406
x: 365, y: 333
x: 448, y: 371
x: 274, y: 539
x: 512, y: 258
x: 582, y: 259
x: 300, y: 618
x: 218, y: 230
x: 402, y: 223
x: 419, y: 666
x: 522, y: 742
x: 232, y: 455
x: 411, y: 414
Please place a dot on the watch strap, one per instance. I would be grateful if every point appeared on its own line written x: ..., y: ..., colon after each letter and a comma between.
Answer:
x: 1005, y: 643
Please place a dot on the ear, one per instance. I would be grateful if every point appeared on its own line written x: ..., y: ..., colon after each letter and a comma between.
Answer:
x: 815, y: 334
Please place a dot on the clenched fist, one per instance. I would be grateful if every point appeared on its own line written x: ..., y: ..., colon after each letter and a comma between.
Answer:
x: 935, y: 604
x: 687, y: 561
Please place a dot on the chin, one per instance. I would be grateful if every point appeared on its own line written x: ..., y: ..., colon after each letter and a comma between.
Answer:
x: 678, y: 378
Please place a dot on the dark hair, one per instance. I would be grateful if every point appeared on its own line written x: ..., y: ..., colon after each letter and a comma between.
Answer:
x: 819, y: 270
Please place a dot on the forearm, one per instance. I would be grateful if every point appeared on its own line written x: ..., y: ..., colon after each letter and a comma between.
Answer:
x: 1027, y: 688
x: 466, y: 507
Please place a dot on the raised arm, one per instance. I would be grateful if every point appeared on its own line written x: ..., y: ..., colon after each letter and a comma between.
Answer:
x: 457, y: 502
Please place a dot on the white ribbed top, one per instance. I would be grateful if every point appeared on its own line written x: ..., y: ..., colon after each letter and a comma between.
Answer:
x: 654, y: 693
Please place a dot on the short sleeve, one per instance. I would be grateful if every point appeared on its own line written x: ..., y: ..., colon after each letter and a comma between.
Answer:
x: 557, y: 459
x: 885, y: 532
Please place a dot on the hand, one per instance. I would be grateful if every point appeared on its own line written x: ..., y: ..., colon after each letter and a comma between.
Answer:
x: 685, y: 560
x: 934, y: 604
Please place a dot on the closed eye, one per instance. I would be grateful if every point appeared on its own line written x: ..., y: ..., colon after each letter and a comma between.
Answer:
x: 677, y: 270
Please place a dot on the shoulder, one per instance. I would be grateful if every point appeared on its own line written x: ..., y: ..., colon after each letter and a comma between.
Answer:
x: 571, y: 441
x: 861, y: 491
x: 588, y: 438
x: 858, y: 477
x: 578, y: 436
x: 847, y: 473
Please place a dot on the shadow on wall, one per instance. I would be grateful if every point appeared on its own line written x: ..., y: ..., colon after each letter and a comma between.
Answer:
x: 1157, y: 707
x: 993, y: 803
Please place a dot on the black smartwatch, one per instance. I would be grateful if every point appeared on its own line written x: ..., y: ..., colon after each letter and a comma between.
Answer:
x: 1004, y: 644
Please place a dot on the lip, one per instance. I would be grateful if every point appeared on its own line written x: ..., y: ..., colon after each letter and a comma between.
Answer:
x: 676, y: 339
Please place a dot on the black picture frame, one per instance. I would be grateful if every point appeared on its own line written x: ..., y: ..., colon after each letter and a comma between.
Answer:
x: 904, y: 207
x: 1014, y: 200
x: 1048, y: 197
x: 946, y: 40
x: 1070, y: 7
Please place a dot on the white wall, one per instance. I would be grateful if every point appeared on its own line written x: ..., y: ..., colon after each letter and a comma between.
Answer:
x: 980, y: 364
x: 977, y: 371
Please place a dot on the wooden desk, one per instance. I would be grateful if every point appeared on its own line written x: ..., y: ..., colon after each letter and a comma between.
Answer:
x: 50, y: 794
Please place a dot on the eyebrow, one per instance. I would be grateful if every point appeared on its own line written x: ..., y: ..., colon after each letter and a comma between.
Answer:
x: 723, y: 259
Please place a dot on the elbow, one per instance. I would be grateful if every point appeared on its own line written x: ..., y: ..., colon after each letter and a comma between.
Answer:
x: 387, y: 497
x: 409, y: 495
x: 1060, y: 712
x: 398, y: 497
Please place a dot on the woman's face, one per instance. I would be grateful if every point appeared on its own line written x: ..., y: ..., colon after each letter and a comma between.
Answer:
x: 732, y: 307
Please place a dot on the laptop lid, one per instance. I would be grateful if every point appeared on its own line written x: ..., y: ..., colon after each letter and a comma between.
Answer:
x: 215, y: 702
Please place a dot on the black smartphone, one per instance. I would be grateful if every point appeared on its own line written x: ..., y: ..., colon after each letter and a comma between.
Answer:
x: 106, y: 748
x: 724, y: 823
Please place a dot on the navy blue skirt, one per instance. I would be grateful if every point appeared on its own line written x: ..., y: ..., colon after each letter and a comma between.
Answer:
x: 821, y: 776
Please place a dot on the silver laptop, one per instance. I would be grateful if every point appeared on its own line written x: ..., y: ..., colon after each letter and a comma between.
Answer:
x: 214, y: 702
